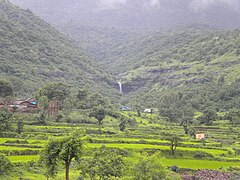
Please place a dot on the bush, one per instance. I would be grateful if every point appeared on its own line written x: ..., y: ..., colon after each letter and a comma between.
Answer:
x: 8, y: 134
x: 20, y: 152
x: 5, y: 165
x: 148, y: 167
x: 174, y: 168
x: 16, y: 142
x: 202, y: 155
x: 142, y: 141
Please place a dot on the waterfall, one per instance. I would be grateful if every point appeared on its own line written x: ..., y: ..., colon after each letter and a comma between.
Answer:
x: 120, y: 87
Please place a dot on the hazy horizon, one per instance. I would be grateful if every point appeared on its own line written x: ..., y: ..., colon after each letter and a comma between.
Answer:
x: 153, y: 14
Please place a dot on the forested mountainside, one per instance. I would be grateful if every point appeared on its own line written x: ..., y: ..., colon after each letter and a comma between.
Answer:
x: 99, y: 25
x: 196, y: 67
x: 98, y: 41
x: 195, y: 63
x: 33, y: 53
x: 187, y: 46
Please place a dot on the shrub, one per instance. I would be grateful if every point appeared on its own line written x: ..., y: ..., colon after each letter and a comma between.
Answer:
x: 17, y: 142
x: 105, y: 164
x: 142, y: 141
x: 20, y: 152
x: 174, y: 168
x: 148, y: 167
x: 5, y: 165
x: 8, y: 134
x: 201, y: 155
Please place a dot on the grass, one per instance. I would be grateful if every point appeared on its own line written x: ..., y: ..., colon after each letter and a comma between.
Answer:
x: 26, y: 175
x: 16, y: 148
x: 149, y: 146
x: 145, y: 133
x: 31, y: 141
x: 3, y: 140
x: 199, y: 164
x: 23, y: 158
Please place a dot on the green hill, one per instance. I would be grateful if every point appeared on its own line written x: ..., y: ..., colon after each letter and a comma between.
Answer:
x: 33, y: 53
x: 194, y: 62
x: 198, y: 66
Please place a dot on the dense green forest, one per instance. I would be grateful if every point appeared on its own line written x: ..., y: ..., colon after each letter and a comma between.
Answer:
x: 33, y: 53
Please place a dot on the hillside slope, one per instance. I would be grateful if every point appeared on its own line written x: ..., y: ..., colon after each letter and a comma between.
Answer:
x: 33, y: 53
x: 99, y: 25
x: 201, y: 66
x: 179, y: 57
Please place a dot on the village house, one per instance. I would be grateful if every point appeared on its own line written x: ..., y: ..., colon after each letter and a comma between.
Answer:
x: 27, y: 105
x: 125, y: 108
x: 147, y: 111
x: 200, y: 135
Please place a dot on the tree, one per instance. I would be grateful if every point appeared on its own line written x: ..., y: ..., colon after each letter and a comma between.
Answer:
x: 43, y: 103
x: 174, y: 140
x: 20, y: 126
x: 138, y: 113
x: 191, y: 132
x: 6, y: 88
x: 95, y: 100
x: 148, y: 167
x: 5, y: 119
x: 185, y: 128
x: 99, y: 113
x: 105, y: 164
x: 5, y: 165
x: 169, y: 106
x: 172, y: 114
x: 82, y: 94
x: 42, y: 118
x: 238, y: 51
x: 233, y: 116
x: 122, y: 125
x: 62, y: 150
x: 208, y: 117
x: 55, y: 91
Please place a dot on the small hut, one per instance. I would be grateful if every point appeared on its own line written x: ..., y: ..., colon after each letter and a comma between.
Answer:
x: 200, y: 135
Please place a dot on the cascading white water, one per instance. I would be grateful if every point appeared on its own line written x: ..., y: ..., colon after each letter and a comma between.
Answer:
x: 120, y: 87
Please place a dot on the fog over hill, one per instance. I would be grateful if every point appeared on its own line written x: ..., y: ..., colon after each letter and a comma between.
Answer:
x: 137, y: 13
x: 102, y: 25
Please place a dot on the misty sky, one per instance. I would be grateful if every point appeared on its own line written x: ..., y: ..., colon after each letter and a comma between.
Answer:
x: 195, y: 5
x: 136, y: 13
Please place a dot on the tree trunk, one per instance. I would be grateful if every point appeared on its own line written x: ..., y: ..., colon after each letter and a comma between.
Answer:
x: 99, y: 127
x: 67, y: 170
x: 172, y: 151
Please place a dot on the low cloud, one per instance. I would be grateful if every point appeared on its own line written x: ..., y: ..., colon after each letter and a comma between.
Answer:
x: 199, y: 5
x: 154, y: 3
x: 194, y: 5
x: 112, y: 4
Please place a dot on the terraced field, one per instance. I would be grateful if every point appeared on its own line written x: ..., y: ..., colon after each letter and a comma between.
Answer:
x: 144, y: 136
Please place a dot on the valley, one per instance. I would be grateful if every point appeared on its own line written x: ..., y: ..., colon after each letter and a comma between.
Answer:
x: 122, y: 89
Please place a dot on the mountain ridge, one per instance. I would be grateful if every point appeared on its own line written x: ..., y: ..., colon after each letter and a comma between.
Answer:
x: 34, y: 53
